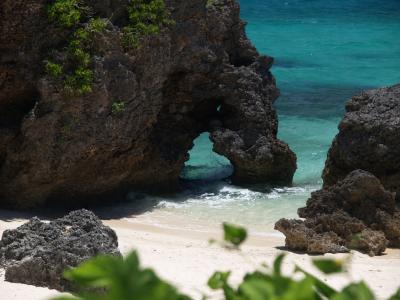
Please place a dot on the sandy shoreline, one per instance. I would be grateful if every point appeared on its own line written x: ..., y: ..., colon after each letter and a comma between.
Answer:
x: 184, y: 257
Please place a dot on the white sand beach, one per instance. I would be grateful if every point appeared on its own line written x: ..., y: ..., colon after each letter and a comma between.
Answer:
x: 184, y: 257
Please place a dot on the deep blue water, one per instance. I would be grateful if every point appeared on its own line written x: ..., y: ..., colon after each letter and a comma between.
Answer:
x: 325, y: 51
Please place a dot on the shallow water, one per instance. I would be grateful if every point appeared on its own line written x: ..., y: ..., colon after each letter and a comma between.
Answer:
x: 325, y: 51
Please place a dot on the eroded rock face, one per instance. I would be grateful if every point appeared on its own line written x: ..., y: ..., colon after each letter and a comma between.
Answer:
x: 368, y: 139
x: 356, y: 213
x: 37, y: 253
x: 202, y: 74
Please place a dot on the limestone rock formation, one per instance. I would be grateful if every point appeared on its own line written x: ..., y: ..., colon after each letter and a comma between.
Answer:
x: 355, y: 213
x: 200, y: 74
x: 368, y: 139
x: 37, y: 252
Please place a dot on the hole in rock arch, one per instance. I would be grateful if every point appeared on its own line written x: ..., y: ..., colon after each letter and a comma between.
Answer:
x: 204, y: 163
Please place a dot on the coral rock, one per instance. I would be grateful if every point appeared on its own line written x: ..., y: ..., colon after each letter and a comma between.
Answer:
x: 200, y: 74
x: 368, y: 139
x: 37, y: 252
x: 355, y: 213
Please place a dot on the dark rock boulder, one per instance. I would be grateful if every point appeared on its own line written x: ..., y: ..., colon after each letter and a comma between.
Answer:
x: 200, y: 74
x: 368, y: 139
x: 355, y: 213
x: 37, y: 252
x: 256, y: 160
x: 299, y: 237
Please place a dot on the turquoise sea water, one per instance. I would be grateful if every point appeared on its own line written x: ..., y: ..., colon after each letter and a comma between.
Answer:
x: 325, y: 51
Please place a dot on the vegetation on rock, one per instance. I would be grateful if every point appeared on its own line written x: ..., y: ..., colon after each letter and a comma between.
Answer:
x: 117, y: 108
x: 146, y: 17
x: 210, y: 3
x: 73, y: 67
x: 66, y: 13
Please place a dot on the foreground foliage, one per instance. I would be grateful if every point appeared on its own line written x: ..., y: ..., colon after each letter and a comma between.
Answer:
x: 123, y: 279
x: 114, y: 278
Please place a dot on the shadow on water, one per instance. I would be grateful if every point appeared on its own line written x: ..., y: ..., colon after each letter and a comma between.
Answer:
x: 316, y: 101
x: 138, y: 203
x: 133, y: 204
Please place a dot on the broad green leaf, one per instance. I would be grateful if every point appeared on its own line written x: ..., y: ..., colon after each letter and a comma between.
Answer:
x: 321, y: 286
x: 234, y: 234
x: 258, y: 275
x: 279, y: 283
x: 355, y: 291
x: 301, y: 290
x: 95, y: 272
x: 218, y: 280
x: 329, y: 266
x: 256, y: 289
x: 231, y: 294
x: 132, y: 261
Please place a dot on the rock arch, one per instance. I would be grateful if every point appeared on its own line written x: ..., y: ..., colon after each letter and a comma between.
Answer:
x: 77, y: 148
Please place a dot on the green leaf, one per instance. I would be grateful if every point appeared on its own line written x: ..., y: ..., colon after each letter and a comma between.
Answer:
x: 233, y: 234
x: 396, y: 296
x: 256, y: 289
x: 279, y: 284
x: 301, y: 290
x: 95, y: 272
x: 321, y: 286
x: 278, y: 264
x: 218, y: 280
x: 355, y: 291
x: 116, y: 279
x: 329, y: 266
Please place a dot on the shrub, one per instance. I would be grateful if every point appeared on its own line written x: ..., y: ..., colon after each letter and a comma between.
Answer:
x: 210, y: 3
x: 75, y: 67
x: 66, y: 13
x: 80, y: 82
x: 146, y: 17
x: 96, y: 25
x: 117, y: 107
x: 53, y: 69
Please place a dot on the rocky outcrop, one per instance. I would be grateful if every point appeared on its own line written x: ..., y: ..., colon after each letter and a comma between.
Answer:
x: 355, y: 213
x: 200, y: 74
x: 368, y: 139
x: 37, y: 252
